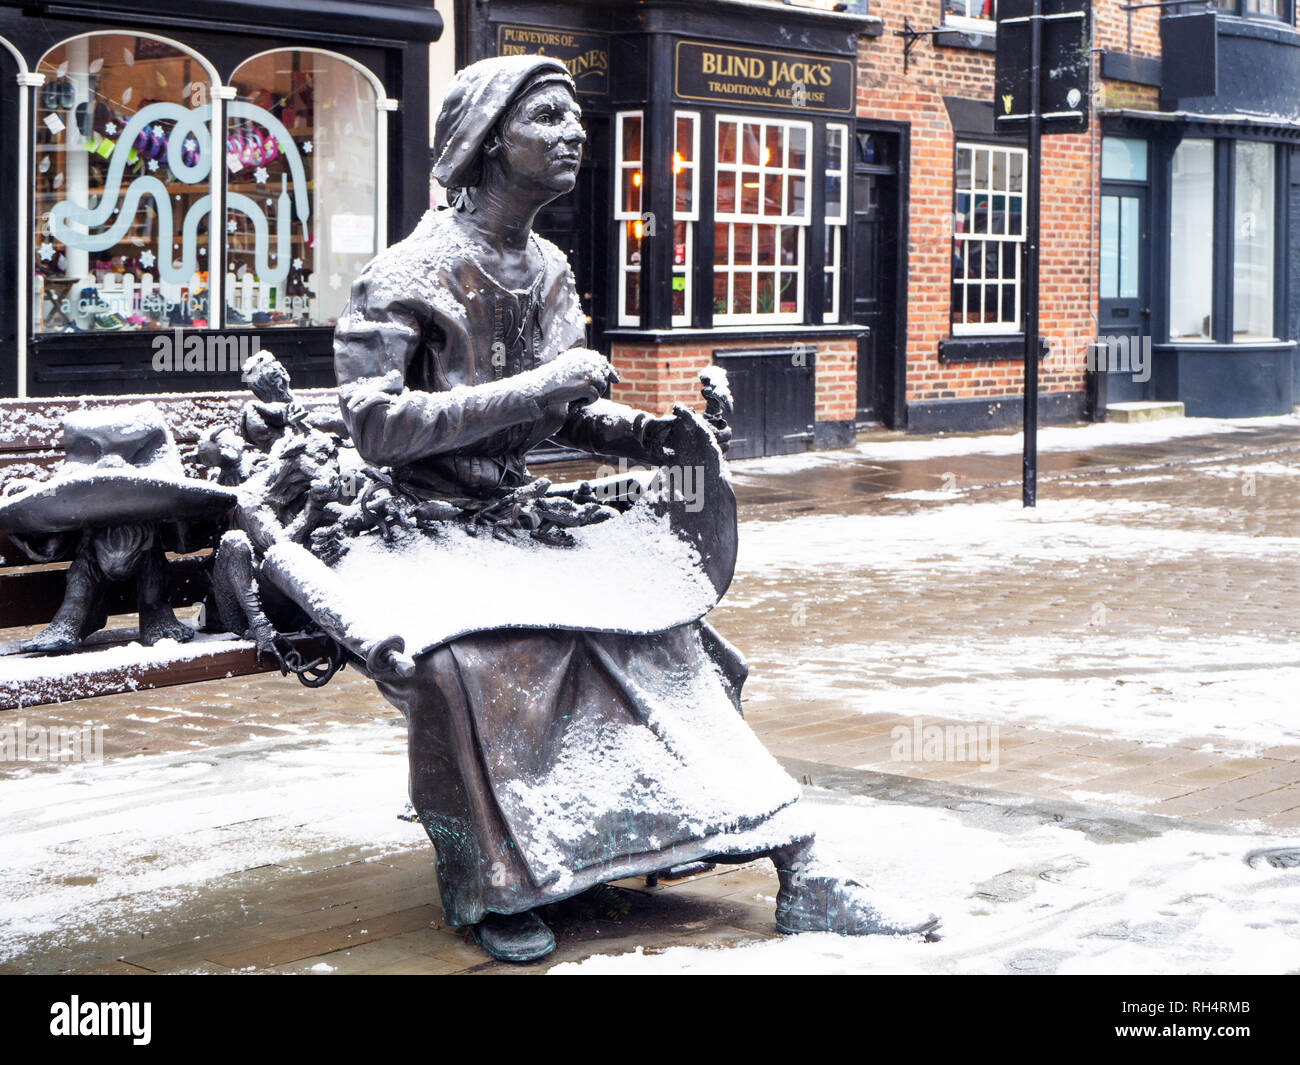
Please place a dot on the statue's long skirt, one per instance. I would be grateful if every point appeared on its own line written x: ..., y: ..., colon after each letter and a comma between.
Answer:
x: 544, y: 762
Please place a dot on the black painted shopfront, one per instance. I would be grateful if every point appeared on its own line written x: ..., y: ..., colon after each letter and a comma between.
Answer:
x: 111, y: 280
x: 741, y: 121
x: 1198, y: 218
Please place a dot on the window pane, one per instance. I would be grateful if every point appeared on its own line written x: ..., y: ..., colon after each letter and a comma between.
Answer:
x: 1191, y: 240
x: 1123, y: 159
x: 301, y: 142
x: 1130, y: 247
x: 123, y: 171
x: 1109, y: 247
x: 1252, y: 301
x: 727, y: 143
x: 632, y: 139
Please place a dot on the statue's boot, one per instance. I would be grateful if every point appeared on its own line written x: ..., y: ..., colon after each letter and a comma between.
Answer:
x: 815, y: 897
x: 514, y: 936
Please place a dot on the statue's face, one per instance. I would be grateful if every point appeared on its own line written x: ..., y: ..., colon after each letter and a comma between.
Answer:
x: 542, y: 139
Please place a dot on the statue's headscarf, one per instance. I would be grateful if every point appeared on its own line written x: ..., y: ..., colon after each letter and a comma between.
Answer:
x: 479, y: 96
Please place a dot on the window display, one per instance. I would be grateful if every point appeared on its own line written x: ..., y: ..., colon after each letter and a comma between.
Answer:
x: 301, y: 188
x: 122, y: 186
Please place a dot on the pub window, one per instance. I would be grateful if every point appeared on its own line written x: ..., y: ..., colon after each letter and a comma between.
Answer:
x: 301, y: 204
x: 686, y: 211
x: 988, y: 232
x: 122, y: 182
x: 837, y: 216
x: 1264, y: 9
x: 628, y: 178
x: 761, y: 216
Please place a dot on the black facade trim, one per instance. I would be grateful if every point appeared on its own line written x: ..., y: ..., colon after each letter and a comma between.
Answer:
x: 996, y: 412
x: 973, y: 120
x: 987, y: 349
x: 1227, y: 380
x: 348, y: 19
x: 1125, y: 66
x: 971, y: 42
x: 829, y: 435
x: 753, y: 333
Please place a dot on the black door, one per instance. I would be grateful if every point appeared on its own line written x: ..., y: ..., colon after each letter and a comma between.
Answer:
x: 775, y: 399
x: 874, y: 262
x: 1124, y: 309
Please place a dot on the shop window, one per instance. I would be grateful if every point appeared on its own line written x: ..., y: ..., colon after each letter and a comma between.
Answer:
x: 1191, y: 238
x: 121, y: 187
x: 988, y: 233
x: 761, y: 215
x: 837, y: 217
x: 686, y: 211
x: 302, y: 181
x: 1254, y: 200
x: 628, y: 179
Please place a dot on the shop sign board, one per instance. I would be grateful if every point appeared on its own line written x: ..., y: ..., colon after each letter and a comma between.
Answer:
x: 709, y: 72
x: 585, y: 54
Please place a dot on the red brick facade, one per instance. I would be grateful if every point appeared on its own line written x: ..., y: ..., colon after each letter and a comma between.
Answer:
x: 1069, y: 211
x: 655, y: 376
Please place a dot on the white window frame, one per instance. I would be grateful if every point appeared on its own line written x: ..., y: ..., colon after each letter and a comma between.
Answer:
x: 728, y: 221
x: 835, y: 226
x: 689, y: 218
x: 622, y: 215
x: 985, y: 27
x: 1013, y: 241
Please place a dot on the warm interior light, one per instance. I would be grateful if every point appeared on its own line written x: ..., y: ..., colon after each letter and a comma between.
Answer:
x: 749, y: 184
x: 638, y: 229
x: 636, y: 179
x: 679, y: 164
x: 767, y: 155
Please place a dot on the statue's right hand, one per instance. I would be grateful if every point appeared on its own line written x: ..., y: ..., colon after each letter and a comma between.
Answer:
x: 577, y: 375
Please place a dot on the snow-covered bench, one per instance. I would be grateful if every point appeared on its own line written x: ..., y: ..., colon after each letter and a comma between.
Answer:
x: 30, y: 447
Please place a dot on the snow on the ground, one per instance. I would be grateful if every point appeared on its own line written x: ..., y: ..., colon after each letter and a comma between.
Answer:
x: 1065, y: 438
x: 1233, y: 695
x: 1094, y: 676
x: 1050, y: 438
x: 965, y: 537
x: 112, y: 847
x: 1017, y: 896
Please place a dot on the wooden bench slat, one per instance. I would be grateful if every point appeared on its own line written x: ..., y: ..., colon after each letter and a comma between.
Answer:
x: 94, y: 676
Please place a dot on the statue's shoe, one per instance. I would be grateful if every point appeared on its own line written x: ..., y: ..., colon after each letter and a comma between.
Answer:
x: 514, y: 936
x: 813, y: 902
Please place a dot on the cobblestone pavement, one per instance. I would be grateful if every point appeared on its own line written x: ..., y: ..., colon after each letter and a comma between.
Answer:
x: 1159, y: 576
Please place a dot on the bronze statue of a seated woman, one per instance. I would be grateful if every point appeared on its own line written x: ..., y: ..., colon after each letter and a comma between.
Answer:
x: 547, y: 759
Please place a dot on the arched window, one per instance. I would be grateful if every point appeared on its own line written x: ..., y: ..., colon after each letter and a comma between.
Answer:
x: 303, y: 198
x: 122, y: 186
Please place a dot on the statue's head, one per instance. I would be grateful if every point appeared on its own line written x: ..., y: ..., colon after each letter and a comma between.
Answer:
x: 514, y: 118
x: 267, y: 377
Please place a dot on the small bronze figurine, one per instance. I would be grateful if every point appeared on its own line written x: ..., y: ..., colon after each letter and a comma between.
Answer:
x: 118, y: 503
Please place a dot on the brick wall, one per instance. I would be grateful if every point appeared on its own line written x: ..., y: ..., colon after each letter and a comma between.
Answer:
x: 654, y: 377
x: 1068, y: 252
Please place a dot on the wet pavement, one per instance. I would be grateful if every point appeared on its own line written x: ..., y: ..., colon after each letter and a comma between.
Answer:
x: 1125, y: 657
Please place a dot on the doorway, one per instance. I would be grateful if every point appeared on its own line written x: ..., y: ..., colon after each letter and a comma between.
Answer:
x: 877, y: 239
x: 1124, y: 304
